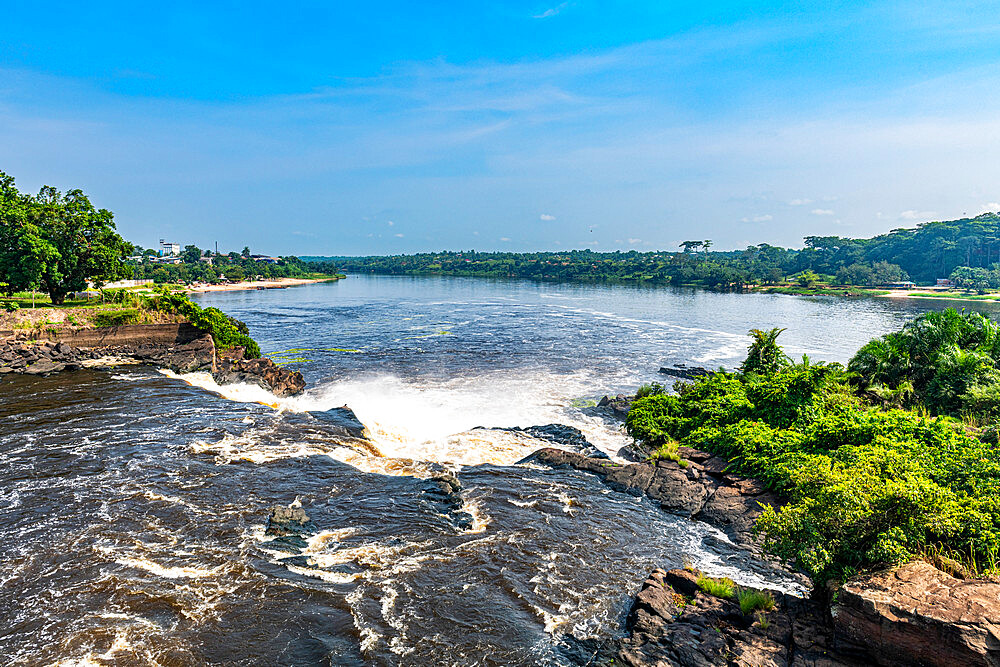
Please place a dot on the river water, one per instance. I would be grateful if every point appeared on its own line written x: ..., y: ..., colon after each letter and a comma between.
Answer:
x: 133, y: 503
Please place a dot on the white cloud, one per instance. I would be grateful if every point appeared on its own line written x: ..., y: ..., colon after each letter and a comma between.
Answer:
x: 916, y: 215
x: 799, y: 202
x: 552, y: 11
x: 390, y: 223
x: 759, y: 218
x: 504, y: 238
x: 634, y: 241
x: 546, y: 217
x: 821, y: 211
x: 399, y: 236
x: 990, y: 207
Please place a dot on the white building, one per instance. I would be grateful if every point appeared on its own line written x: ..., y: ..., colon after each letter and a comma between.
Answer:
x: 169, y: 249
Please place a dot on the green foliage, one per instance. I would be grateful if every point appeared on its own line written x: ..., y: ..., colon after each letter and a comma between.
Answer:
x: 807, y: 278
x: 764, y: 356
x: 56, y: 241
x: 720, y: 588
x: 10, y: 306
x: 651, y: 389
x: 227, y: 331
x: 864, y: 486
x: 117, y: 318
x: 753, y: 600
x: 945, y: 361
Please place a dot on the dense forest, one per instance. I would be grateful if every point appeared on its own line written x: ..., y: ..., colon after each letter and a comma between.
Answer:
x: 929, y: 251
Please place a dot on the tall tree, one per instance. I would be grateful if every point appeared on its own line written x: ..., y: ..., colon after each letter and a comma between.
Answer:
x: 57, y: 242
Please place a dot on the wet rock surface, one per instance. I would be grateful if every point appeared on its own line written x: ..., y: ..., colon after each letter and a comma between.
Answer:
x: 673, y: 622
x: 197, y: 355
x: 684, y: 372
x: 618, y: 405
x: 911, y: 615
x: 558, y: 434
x: 263, y: 372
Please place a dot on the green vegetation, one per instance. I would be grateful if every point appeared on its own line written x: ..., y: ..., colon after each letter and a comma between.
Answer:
x: 117, y: 318
x: 56, y: 242
x: 867, y: 481
x: 227, y: 332
x: 720, y: 588
x: 753, y: 600
x: 651, y: 389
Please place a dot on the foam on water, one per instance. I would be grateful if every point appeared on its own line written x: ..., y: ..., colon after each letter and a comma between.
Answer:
x: 430, y: 420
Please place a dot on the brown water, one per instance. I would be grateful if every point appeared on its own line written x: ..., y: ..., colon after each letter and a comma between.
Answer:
x: 132, y: 504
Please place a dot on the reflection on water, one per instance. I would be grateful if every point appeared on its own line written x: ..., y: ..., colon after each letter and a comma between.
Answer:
x: 132, y: 505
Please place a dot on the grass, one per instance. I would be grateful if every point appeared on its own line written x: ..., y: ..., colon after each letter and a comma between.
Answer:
x: 821, y: 291
x: 953, y: 295
x: 720, y: 588
x: 753, y: 600
x: 117, y: 318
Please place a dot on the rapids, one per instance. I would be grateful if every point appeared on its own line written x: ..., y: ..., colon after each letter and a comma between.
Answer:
x: 133, y: 504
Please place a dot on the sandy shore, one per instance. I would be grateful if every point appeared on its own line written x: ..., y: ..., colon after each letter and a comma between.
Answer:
x: 258, y: 284
x: 929, y: 293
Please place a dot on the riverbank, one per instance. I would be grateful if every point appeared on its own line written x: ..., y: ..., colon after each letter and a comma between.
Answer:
x: 913, y: 614
x: 278, y: 283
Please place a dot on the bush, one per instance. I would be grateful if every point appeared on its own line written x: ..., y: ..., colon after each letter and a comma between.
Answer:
x: 864, y: 487
x: 652, y: 389
x: 720, y: 588
x: 117, y: 318
x: 752, y: 600
x: 10, y: 306
x: 227, y: 332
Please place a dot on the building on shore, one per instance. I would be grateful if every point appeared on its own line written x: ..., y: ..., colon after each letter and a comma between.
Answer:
x: 169, y: 249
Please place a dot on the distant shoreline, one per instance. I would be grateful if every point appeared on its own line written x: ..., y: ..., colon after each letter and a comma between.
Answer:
x: 280, y: 283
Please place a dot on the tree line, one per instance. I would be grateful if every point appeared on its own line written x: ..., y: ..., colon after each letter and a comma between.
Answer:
x: 923, y: 253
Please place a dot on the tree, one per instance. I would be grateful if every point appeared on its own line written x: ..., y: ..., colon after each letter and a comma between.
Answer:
x: 765, y: 356
x: 808, y: 278
x: 246, y: 251
x: 191, y: 254
x: 57, y: 242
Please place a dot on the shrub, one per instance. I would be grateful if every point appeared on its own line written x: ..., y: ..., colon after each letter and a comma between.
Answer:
x: 10, y: 306
x: 764, y: 356
x: 227, y: 332
x: 752, y: 600
x: 652, y: 389
x: 117, y: 318
x: 720, y: 588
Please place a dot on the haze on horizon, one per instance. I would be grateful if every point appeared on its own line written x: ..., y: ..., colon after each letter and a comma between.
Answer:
x: 406, y: 127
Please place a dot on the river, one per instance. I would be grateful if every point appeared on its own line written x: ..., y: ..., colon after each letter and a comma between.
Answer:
x: 133, y: 503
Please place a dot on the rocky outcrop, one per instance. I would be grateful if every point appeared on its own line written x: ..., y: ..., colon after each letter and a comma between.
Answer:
x: 673, y: 622
x: 919, y: 615
x: 444, y: 490
x: 558, y: 434
x: 619, y: 406
x: 912, y: 615
x: 184, y: 354
x: 264, y: 372
x: 701, y: 489
x: 683, y: 372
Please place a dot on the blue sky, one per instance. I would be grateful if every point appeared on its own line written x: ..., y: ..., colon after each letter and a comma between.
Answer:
x: 350, y: 128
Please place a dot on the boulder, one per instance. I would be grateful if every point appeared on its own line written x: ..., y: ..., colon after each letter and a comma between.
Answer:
x: 284, y: 521
x: 264, y: 372
x: 919, y: 615
x: 343, y: 422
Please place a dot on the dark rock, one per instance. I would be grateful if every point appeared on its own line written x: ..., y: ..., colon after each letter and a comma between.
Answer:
x: 675, y: 491
x: 343, y: 420
x: 734, y: 513
x: 619, y: 405
x: 558, y: 434
x: 694, y: 455
x: 44, y: 367
x: 684, y: 372
x: 264, y: 372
